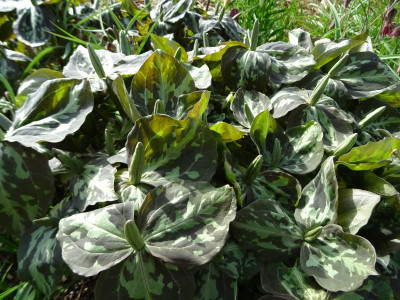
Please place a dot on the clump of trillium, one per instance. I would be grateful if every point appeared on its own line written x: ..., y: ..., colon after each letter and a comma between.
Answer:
x: 339, y: 261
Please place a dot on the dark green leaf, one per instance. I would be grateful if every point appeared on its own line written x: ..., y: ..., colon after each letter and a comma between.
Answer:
x: 26, y: 187
x: 142, y: 276
x: 32, y: 25
x: 267, y: 229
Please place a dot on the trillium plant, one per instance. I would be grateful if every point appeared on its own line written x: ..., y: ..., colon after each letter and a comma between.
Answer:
x: 189, y: 162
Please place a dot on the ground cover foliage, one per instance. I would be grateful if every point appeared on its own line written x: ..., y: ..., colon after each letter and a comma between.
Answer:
x: 180, y: 159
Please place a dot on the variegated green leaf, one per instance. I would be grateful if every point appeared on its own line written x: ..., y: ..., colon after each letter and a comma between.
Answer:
x: 339, y: 261
x: 256, y: 103
x: 326, y: 50
x: 355, y: 208
x: 392, y: 95
x: 39, y: 258
x: 186, y: 223
x: 236, y: 262
x: 389, y: 120
x: 142, y: 276
x: 26, y: 187
x: 39, y: 253
x: 290, y: 283
x: 280, y: 186
x: 267, y: 229
x: 289, y: 63
x: 174, y: 150
x: 33, y: 25
x: 94, y: 183
x: 168, y: 46
x: 213, y: 284
x: 95, y: 241
x: 335, y: 123
x: 287, y: 99
x: 318, y: 202
x: 301, y: 38
x: 304, y: 149
x: 59, y: 107
x: 160, y: 77
x: 370, y: 156
x: 114, y: 64
x: 246, y: 69
x: 365, y: 75
x: 172, y: 10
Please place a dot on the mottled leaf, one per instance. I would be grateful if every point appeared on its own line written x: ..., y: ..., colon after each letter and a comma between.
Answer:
x: 287, y: 99
x: 95, y: 241
x: 39, y: 258
x: 94, y: 183
x: 59, y: 107
x: 172, y: 10
x: 26, y: 187
x: 301, y: 38
x: 142, y: 276
x: 290, y: 283
x: 339, y: 261
x: 267, y: 229
x: 242, y: 68
x: 376, y: 287
x: 365, y: 75
x: 289, y: 63
x: 336, y: 124
x: 303, y: 151
x: 213, y: 284
x: 255, y: 101
x: 33, y: 24
x: 39, y: 253
x: 318, y: 202
x: 370, y: 156
x: 280, y: 186
x: 355, y: 208
x: 174, y: 150
x: 160, y: 77
x: 188, y: 223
